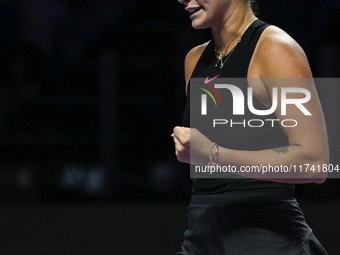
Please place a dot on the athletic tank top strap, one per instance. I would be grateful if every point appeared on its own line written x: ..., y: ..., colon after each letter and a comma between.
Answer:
x: 238, y: 62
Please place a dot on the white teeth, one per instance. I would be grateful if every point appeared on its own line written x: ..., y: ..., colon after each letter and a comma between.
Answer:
x: 195, y: 10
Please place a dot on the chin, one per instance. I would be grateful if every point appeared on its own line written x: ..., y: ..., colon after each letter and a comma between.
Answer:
x: 198, y: 25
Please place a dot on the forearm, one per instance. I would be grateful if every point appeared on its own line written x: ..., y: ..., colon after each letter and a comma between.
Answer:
x: 293, y: 159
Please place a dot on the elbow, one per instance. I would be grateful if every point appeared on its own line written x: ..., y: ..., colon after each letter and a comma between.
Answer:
x: 321, y: 170
x: 319, y: 180
x: 321, y: 175
x: 318, y: 167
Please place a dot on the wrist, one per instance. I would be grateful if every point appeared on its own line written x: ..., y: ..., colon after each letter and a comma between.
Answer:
x: 213, y: 154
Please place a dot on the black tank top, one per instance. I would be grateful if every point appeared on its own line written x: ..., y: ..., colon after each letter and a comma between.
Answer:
x: 239, y: 138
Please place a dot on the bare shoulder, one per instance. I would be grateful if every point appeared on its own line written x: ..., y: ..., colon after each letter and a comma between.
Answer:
x: 191, y: 60
x: 278, y: 55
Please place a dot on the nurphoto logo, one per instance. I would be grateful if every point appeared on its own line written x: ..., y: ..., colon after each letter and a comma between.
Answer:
x: 216, y: 90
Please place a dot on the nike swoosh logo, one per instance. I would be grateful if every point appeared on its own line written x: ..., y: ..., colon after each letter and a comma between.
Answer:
x: 207, y: 80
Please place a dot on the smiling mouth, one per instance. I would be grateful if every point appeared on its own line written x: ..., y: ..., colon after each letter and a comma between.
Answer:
x: 195, y: 10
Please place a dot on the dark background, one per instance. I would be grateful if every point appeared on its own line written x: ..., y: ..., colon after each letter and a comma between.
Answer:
x: 89, y: 94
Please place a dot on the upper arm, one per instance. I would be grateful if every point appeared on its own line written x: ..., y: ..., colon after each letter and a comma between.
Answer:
x: 191, y: 60
x: 282, y: 63
x: 280, y: 56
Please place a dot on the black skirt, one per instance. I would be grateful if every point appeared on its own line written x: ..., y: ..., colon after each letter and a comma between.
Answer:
x: 253, y: 228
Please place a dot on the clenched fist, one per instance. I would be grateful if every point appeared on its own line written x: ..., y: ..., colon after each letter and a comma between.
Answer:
x: 191, y: 146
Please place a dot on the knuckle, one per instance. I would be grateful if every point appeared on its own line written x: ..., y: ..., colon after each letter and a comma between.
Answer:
x: 180, y: 149
x: 186, y: 142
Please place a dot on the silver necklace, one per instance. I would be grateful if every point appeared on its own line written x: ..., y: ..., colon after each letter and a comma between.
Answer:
x: 221, y: 54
